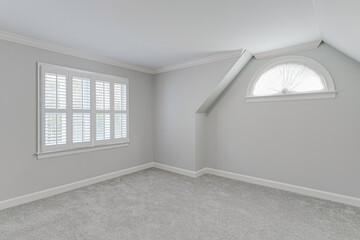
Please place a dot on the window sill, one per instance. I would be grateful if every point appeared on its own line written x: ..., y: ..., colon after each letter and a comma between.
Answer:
x: 290, y: 97
x: 44, y: 155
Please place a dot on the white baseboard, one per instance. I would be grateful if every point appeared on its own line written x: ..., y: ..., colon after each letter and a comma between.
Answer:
x: 264, y: 182
x: 68, y: 187
x: 259, y: 181
x: 287, y: 187
x: 176, y: 170
x: 201, y: 172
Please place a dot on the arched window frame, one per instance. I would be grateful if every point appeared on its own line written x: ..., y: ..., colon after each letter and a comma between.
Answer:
x: 328, y: 92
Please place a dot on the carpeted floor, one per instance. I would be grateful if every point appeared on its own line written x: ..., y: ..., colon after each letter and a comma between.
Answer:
x: 154, y: 204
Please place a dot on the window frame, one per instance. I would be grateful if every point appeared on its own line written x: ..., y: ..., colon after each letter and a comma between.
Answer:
x: 328, y: 92
x: 70, y: 147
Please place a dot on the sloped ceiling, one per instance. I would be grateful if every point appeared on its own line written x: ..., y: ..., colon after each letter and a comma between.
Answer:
x: 339, y: 24
x: 159, y: 33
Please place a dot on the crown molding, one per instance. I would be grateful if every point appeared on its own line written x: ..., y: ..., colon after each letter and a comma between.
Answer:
x: 288, y: 50
x: 20, y: 39
x: 200, y: 61
x: 16, y: 38
x: 11, y: 37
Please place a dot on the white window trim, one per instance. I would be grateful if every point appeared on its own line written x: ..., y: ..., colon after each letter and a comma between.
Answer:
x: 329, y: 91
x: 101, y: 145
x: 80, y: 150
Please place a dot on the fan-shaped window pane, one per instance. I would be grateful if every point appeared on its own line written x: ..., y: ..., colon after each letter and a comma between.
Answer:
x: 288, y: 78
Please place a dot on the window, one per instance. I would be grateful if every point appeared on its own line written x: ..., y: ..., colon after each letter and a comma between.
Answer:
x: 80, y: 110
x: 291, y: 78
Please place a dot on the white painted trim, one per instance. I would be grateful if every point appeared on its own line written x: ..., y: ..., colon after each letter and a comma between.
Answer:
x: 328, y: 92
x: 11, y: 37
x: 71, y: 186
x: 264, y: 182
x: 292, y: 97
x: 181, y: 171
x: 287, y: 187
x: 20, y: 39
x: 288, y: 50
x: 225, y: 82
x: 201, y: 172
x: 259, y: 181
x: 200, y: 61
x: 43, y: 155
x: 83, y: 72
x: 71, y: 148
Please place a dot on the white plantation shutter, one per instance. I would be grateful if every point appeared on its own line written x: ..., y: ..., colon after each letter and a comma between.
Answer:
x: 81, y: 127
x: 120, y: 125
x: 103, y: 122
x: 81, y: 109
x: 81, y: 93
x: 120, y: 111
x: 102, y: 126
x: 55, y: 91
x: 102, y: 95
x: 81, y: 106
x: 54, y: 117
x: 120, y: 97
x: 55, y: 129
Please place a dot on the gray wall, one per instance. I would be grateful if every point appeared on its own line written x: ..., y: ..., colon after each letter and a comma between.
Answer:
x: 20, y: 172
x: 178, y: 94
x: 310, y: 143
x: 313, y: 143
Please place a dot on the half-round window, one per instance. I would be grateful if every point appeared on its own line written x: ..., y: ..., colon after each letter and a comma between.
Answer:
x: 290, y: 78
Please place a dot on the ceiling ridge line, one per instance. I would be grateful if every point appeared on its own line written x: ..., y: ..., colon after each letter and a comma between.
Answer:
x: 288, y: 50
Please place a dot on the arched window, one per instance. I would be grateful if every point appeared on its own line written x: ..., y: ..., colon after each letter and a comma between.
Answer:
x: 291, y: 78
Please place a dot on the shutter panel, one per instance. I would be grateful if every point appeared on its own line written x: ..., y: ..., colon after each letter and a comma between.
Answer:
x: 55, y: 128
x: 120, y: 125
x: 55, y: 91
x: 81, y: 93
x: 120, y: 108
x: 81, y: 107
x: 81, y: 127
x: 50, y: 91
x: 106, y: 96
x: 102, y: 95
x: 102, y: 126
x: 99, y: 95
x: 54, y: 106
x: 120, y: 101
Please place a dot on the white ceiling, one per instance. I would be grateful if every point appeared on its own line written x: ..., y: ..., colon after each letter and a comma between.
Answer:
x: 158, y: 33
x: 339, y: 22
